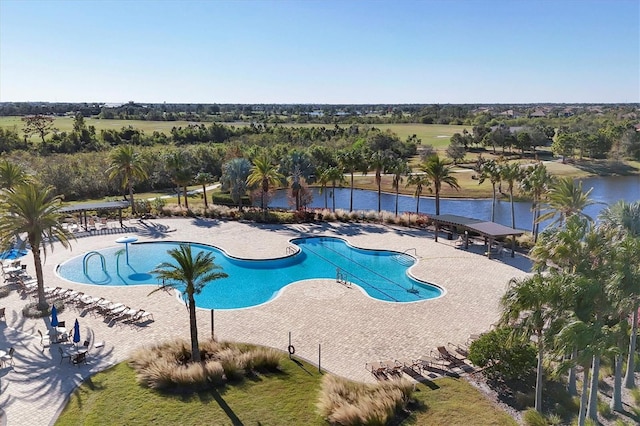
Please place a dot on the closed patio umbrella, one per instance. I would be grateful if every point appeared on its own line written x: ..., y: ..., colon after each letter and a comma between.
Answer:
x: 76, y: 332
x: 54, y: 316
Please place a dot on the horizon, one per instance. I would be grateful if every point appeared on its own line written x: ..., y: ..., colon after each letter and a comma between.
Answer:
x: 321, y: 53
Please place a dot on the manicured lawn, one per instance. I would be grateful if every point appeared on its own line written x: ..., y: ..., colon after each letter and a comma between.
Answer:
x: 114, y: 397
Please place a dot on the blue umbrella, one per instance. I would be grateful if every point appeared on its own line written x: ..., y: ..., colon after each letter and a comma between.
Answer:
x: 54, y: 316
x: 76, y: 332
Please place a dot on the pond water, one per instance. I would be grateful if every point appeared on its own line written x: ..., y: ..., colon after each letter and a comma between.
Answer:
x: 606, y: 190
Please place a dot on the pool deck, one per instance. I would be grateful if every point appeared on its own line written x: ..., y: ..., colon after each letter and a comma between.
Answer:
x: 351, y: 327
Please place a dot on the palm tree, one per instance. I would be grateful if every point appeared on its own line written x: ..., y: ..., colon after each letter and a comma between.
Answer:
x: 399, y: 168
x: 203, y: 178
x: 510, y: 173
x: 33, y: 209
x: 378, y: 163
x: 565, y: 198
x: 530, y: 305
x: 490, y: 169
x: 420, y: 180
x: 439, y: 172
x: 535, y: 182
x: 127, y: 166
x: 181, y: 175
x: 234, y: 178
x: 336, y: 176
x: 190, y: 275
x: 350, y: 161
x: 624, y: 218
x: 264, y: 173
x: 11, y: 175
x: 322, y: 178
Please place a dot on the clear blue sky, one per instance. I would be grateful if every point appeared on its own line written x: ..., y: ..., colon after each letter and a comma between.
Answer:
x: 349, y: 51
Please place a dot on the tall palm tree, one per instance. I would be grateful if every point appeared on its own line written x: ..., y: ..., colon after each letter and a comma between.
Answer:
x: 535, y: 182
x: 420, y: 181
x: 531, y: 304
x: 336, y: 176
x: 180, y: 174
x: 33, y: 209
x: 624, y: 218
x: 510, y: 174
x: 439, y: 172
x: 490, y: 169
x: 565, y: 198
x: 399, y: 168
x: 264, y: 173
x: 350, y: 161
x: 378, y: 162
x: 234, y: 178
x: 11, y: 175
x: 203, y: 178
x: 322, y: 179
x: 128, y: 166
x: 191, y: 276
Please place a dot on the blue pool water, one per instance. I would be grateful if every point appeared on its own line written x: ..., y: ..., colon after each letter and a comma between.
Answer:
x: 381, y: 274
x: 12, y: 254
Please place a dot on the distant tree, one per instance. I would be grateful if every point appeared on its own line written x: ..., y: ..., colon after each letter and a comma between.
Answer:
x: 399, y: 168
x: 456, y: 151
x: 265, y: 174
x: 439, y: 172
x: 38, y: 124
x: 234, y: 178
x: 336, y: 176
x: 204, y: 178
x: 180, y: 173
x: 420, y: 181
x: 11, y: 175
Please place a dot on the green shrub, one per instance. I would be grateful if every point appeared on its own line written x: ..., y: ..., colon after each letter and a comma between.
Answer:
x: 532, y: 418
x: 635, y: 393
x: 503, y: 356
x: 604, y: 409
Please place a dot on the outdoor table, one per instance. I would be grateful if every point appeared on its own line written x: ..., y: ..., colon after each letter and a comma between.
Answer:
x: 60, y: 331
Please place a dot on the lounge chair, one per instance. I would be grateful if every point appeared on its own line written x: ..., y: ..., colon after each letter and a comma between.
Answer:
x: 45, y: 341
x: 143, y: 315
x: 411, y: 364
x: 452, y: 357
x: 81, y: 357
x: 393, y: 368
x: 463, y: 351
x: 64, y: 355
x: 431, y: 363
x: 8, y: 357
x: 378, y: 369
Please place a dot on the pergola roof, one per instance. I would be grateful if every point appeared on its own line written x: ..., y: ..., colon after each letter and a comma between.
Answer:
x: 486, y: 228
x: 102, y: 205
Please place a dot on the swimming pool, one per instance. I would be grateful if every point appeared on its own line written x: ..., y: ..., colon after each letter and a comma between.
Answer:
x: 382, y: 274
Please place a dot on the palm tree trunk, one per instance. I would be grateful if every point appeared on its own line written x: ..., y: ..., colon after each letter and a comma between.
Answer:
x: 437, y: 201
x: 37, y: 261
x: 195, y: 350
x: 583, y: 398
x: 179, y: 203
x: 418, y: 204
x: 592, y: 409
x: 379, y: 182
x: 204, y: 194
x: 351, y: 196
x: 333, y: 198
x: 397, y: 201
x: 629, y: 377
x: 616, y: 397
x: 513, y: 212
x: 325, y: 198
x: 186, y: 201
x: 493, y: 203
x: 133, y: 205
x: 539, y: 373
x: 572, y: 387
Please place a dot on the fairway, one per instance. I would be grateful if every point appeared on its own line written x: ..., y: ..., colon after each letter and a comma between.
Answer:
x: 437, y: 135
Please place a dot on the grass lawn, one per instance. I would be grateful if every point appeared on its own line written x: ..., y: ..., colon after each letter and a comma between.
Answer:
x: 114, y: 397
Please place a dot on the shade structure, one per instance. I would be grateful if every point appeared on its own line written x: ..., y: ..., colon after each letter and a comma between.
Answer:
x: 54, y: 316
x: 76, y: 332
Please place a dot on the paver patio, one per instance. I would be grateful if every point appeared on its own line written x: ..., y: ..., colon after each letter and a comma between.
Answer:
x: 351, y: 327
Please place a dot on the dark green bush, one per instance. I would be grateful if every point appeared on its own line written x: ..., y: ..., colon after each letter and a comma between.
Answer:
x: 503, y: 356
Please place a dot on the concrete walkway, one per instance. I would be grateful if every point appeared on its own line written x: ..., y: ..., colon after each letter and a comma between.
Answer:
x: 352, y: 328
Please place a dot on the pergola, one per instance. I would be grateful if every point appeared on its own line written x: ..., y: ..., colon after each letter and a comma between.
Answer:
x: 489, y: 230
x: 102, y: 205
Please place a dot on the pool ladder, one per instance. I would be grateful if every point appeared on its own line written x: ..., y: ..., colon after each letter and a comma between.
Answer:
x: 291, y: 250
x: 342, y: 278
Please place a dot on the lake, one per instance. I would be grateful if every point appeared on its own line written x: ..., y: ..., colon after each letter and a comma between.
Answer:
x: 606, y: 190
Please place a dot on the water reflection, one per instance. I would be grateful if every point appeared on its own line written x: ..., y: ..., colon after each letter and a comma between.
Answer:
x: 606, y: 190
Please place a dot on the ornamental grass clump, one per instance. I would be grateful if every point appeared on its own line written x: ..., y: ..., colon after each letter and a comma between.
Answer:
x: 168, y: 365
x: 349, y: 403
